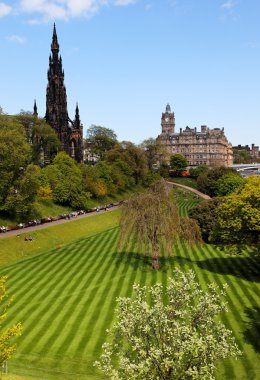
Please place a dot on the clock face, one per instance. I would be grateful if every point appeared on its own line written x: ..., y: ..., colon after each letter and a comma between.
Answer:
x: 166, y: 119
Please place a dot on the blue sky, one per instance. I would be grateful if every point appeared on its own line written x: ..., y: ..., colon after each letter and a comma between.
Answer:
x: 125, y: 59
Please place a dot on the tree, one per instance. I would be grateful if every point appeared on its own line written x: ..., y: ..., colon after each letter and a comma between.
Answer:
x: 20, y: 199
x: 207, y: 182
x: 151, y: 220
x: 155, y: 152
x: 178, y: 162
x: 238, y: 216
x: 228, y: 183
x: 99, y: 140
x: 7, y: 348
x: 66, y: 182
x: 15, y: 154
x: 41, y: 135
x: 200, y: 169
x: 133, y: 156
x: 205, y: 214
x: 175, y: 336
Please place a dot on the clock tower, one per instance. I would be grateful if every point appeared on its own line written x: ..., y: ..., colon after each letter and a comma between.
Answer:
x: 168, y: 121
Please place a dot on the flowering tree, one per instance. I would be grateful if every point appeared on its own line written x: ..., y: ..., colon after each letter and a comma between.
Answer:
x: 175, y: 336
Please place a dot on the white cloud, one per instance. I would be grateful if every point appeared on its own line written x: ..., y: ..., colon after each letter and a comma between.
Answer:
x: 4, y: 9
x: 124, y: 2
x: 16, y: 39
x: 65, y: 9
x: 228, y: 4
x: 50, y: 10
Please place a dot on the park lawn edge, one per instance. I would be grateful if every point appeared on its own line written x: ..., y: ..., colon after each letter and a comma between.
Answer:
x: 15, y: 248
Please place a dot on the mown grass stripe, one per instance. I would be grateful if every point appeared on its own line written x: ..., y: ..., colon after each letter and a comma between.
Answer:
x: 76, y: 286
x: 45, y: 308
x: 107, y: 309
x: 41, y: 292
x: 76, y: 319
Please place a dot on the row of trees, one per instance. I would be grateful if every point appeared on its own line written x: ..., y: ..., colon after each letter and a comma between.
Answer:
x: 27, y: 142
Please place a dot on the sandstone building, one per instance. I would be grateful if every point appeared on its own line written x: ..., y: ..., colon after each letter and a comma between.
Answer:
x: 207, y: 146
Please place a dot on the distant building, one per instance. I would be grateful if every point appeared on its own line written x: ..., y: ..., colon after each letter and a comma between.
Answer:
x: 253, y: 151
x: 207, y: 146
x: 70, y: 132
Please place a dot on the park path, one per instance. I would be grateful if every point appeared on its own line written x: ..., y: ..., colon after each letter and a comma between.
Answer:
x: 204, y: 196
x: 50, y: 224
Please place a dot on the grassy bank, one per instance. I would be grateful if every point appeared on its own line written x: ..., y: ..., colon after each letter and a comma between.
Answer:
x: 14, y: 248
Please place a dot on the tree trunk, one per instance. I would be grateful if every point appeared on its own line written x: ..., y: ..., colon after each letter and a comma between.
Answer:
x: 155, y: 263
x: 155, y: 259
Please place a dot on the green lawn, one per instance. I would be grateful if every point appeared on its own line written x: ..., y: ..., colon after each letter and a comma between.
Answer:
x: 65, y: 297
x: 191, y: 182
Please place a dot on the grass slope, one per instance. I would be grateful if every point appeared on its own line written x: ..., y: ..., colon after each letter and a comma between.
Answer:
x: 13, y: 248
x: 65, y: 300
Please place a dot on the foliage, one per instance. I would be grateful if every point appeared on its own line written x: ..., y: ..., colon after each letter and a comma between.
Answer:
x: 178, y: 162
x: 228, y: 183
x: 205, y: 214
x: 21, y: 196
x: 155, y: 152
x: 198, y: 170
x: 99, y: 140
x: 66, y: 178
x: 238, y: 216
x: 164, y: 169
x: 190, y: 230
x: 14, y: 154
x: 133, y: 156
x: 152, y: 220
x: 179, y: 338
x: 43, y: 137
x: 151, y: 177
x: 105, y: 179
x: 243, y: 156
x: 7, y: 348
x: 45, y: 193
x: 207, y: 182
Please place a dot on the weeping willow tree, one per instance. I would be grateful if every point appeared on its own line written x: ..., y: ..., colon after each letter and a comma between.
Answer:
x: 152, y: 221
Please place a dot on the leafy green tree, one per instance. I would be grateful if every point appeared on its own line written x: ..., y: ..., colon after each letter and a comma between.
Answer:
x: 164, y: 169
x: 7, y: 348
x: 22, y: 194
x: 228, y: 183
x: 15, y: 154
x: 207, y: 182
x: 133, y: 156
x: 155, y: 152
x: 41, y: 135
x: 200, y: 169
x: 178, y: 162
x: 169, y: 334
x: 238, y: 216
x: 205, y: 214
x: 152, y: 220
x: 66, y: 182
x: 99, y: 140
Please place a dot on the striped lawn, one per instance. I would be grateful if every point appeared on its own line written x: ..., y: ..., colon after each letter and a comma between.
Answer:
x: 65, y: 300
